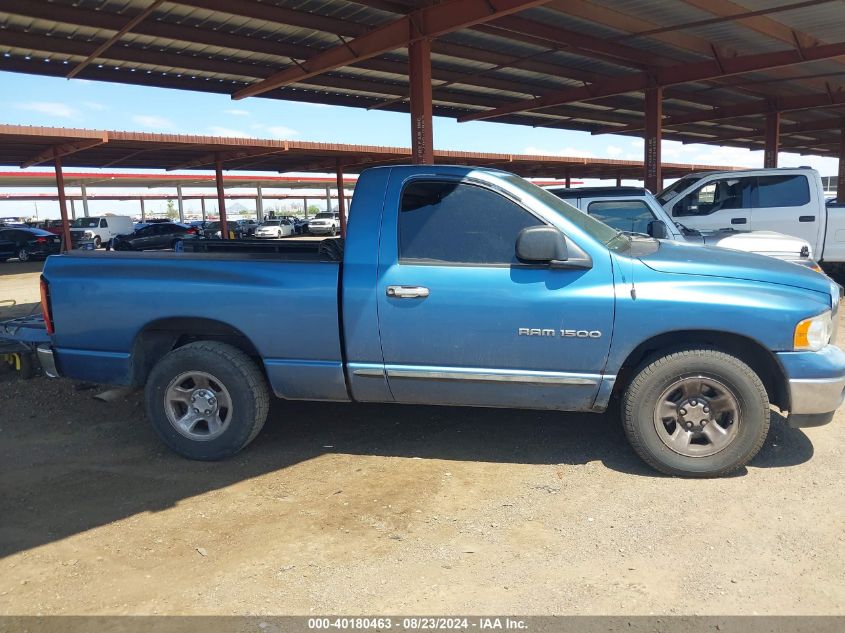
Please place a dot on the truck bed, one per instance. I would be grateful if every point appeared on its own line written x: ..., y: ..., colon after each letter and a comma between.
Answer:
x: 285, y: 301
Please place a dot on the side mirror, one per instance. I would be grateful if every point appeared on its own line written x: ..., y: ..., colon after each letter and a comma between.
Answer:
x: 657, y: 229
x: 547, y: 245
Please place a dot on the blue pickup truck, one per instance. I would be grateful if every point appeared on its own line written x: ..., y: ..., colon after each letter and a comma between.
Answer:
x: 457, y: 286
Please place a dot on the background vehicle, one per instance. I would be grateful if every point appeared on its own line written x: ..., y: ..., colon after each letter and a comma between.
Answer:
x: 299, y: 225
x: 154, y: 236
x: 30, y: 243
x: 52, y: 226
x: 636, y: 210
x: 8, y: 249
x: 458, y: 286
x: 789, y: 201
x: 244, y: 228
x: 324, y: 224
x: 279, y: 227
x: 100, y: 229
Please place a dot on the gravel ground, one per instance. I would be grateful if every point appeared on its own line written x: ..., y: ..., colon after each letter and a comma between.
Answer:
x: 362, y: 509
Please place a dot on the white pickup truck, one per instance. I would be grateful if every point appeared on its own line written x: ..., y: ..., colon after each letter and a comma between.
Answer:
x: 635, y: 210
x: 786, y: 200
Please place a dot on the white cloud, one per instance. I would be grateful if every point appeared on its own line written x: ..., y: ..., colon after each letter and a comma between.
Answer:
x: 564, y: 151
x: 51, y: 108
x: 236, y: 112
x: 613, y: 151
x: 280, y: 131
x: 93, y: 105
x: 217, y: 130
x: 153, y: 122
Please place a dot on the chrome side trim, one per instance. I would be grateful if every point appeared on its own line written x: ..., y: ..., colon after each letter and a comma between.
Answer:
x: 371, y: 373
x: 532, y: 378
x: 815, y: 395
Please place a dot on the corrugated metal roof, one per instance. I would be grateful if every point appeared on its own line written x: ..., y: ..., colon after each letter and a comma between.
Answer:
x: 224, y: 46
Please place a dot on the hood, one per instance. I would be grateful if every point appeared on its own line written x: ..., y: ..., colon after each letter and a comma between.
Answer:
x: 692, y: 259
x: 758, y: 242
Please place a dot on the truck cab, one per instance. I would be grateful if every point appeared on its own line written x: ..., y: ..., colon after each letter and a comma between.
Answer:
x: 635, y: 210
x: 787, y: 200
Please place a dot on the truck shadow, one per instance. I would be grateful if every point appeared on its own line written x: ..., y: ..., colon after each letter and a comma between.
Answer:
x: 69, y: 463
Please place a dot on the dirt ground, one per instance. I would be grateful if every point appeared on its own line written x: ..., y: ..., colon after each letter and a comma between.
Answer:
x: 364, y: 509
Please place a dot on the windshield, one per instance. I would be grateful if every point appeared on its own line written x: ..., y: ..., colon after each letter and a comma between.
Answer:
x: 611, y: 238
x: 213, y: 226
x: 676, y: 187
x: 85, y: 223
x: 325, y: 216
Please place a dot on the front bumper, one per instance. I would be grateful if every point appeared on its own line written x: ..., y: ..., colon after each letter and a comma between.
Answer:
x: 816, y: 383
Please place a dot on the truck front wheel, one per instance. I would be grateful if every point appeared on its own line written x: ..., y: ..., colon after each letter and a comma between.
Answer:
x: 207, y: 400
x: 696, y: 413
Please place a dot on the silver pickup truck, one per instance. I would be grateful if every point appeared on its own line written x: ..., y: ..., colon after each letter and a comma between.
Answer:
x: 635, y: 210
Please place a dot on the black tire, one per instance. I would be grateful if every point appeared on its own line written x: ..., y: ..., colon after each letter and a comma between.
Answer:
x: 23, y: 254
x: 97, y: 242
x: 232, y: 369
x: 640, y: 401
x: 334, y: 231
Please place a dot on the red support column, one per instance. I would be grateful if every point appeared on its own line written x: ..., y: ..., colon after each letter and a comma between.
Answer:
x: 221, y: 198
x: 770, y: 156
x: 618, y: 180
x: 341, y: 200
x: 653, y: 137
x: 419, y: 75
x: 60, y: 185
x: 840, y: 180
x: 568, y: 179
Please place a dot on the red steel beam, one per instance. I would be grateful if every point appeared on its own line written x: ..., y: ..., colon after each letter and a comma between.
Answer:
x: 672, y: 75
x: 63, y: 150
x: 653, y: 138
x: 60, y: 186
x: 221, y: 198
x: 419, y: 75
x: 428, y: 22
x: 840, y: 179
x: 341, y: 199
x: 761, y: 106
x: 770, y: 152
x: 131, y: 24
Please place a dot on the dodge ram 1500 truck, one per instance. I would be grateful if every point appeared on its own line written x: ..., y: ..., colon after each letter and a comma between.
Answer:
x: 457, y: 286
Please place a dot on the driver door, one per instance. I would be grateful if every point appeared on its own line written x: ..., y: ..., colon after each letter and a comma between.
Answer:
x: 462, y: 321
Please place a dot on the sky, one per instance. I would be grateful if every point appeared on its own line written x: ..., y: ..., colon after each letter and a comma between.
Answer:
x: 80, y: 103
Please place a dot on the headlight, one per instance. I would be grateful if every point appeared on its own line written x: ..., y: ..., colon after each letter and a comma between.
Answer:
x: 814, y: 333
x: 89, y: 233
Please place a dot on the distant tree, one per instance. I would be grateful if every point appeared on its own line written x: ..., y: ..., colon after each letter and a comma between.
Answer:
x: 313, y: 208
x: 172, y: 212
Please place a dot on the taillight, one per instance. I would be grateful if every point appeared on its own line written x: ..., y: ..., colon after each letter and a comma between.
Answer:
x: 41, y: 240
x: 46, y: 307
x: 192, y: 231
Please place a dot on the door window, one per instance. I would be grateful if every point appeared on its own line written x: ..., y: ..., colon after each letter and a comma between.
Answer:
x: 631, y: 216
x: 104, y: 224
x: 716, y: 195
x: 459, y: 223
x: 782, y: 191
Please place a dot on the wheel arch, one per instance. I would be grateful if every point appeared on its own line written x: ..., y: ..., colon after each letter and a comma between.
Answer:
x: 764, y: 363
x: 157, y: 338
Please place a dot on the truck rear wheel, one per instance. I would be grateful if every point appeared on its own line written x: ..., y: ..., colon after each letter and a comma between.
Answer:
x: 207, y: 400
x: 696, y: 413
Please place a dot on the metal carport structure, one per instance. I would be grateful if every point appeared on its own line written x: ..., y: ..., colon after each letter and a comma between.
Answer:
x: 26, y: 146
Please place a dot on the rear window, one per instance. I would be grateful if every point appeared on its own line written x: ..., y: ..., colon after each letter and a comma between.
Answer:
x: 782, y: 191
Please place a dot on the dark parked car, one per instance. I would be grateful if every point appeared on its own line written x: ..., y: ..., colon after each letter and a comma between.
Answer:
x: 154, y: 236
x: 7, y: 249
x: 30, y: 243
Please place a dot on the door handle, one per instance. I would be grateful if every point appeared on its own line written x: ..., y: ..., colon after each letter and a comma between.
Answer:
x: 739, y: 220
x: 407, y: 292
x: 807, y: 218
